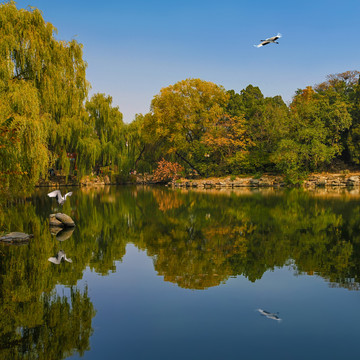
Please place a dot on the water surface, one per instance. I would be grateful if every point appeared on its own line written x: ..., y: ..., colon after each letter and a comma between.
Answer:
x: 164, y: 274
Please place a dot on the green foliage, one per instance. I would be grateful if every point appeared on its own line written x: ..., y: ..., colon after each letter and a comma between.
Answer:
x: 42, y: 86
x: 266, y: 123
x: 345, y: 88
x: 45, y: 115
x: 108, y: 125
x: 189, y: 121
x: 23, y: 148
x: 316, y: 126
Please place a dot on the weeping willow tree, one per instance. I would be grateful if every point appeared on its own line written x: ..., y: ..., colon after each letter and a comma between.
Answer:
x: 23, y: 133
x: 42, y: 92
x: 107, y: 124
x: 137, y: 153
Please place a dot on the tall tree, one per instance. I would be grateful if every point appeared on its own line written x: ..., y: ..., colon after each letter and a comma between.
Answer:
x: 50, y: 76
x: 266, y: 121
x: 184, y: 115
x: 108, y: 125
x: 345, y: 87
x: 315, y: 133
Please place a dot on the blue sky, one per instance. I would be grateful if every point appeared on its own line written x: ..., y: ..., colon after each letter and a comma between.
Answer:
x: 134, y: 48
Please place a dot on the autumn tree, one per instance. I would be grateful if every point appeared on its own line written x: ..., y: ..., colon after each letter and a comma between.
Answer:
x: 183, y: 117
x: 226, y: 141
x: 167, y: 171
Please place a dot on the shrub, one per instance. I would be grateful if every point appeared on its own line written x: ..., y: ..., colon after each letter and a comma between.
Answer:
x: 167, y: 171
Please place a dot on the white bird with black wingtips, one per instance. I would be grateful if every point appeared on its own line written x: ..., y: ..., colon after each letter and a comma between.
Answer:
x: 57, y: 193
x: 269, y: 40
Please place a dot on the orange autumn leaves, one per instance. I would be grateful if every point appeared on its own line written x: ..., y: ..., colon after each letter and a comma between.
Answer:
x: 167, y: 170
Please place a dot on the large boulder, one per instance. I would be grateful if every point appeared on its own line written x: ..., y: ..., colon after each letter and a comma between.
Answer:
x: 61, y: 220
x: 55, y: 222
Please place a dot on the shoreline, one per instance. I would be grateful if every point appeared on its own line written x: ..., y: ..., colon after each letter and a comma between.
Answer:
x: 336, y: 180
x: 316, y: 180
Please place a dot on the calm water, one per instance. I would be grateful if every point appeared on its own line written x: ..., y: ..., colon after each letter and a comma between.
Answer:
x: 162, y: 274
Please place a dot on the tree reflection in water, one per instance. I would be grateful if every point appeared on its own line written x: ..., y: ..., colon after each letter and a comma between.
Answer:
x: 36, y: 322
x: 196, y: 239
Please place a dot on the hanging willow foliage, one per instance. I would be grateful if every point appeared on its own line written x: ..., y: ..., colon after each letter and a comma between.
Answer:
x: 108, y: 126
x: 43, y: 89
x: 23, y: 144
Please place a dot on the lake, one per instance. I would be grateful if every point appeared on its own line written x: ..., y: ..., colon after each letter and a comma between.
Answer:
x: 156, y: 273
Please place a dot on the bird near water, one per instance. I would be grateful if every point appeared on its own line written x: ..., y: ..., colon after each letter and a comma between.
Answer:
x: 269, y: 40
x: 57, y: 193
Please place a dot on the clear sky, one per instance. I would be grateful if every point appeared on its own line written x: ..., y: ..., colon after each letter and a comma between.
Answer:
x: 135, y: 47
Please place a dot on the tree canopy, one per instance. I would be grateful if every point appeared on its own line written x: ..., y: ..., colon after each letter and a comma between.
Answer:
x: 189, y: 120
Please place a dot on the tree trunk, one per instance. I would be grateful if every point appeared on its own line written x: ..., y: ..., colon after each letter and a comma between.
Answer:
x: 139, y: 157
x: 193, y: 167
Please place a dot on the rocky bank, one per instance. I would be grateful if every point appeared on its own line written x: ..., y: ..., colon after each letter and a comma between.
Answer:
x: 345, y: 179
x: 313, y: 181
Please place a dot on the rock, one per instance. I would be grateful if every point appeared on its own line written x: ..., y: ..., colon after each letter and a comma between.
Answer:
x: 265, y: 182
x: 55, y: 222
x: 313, y: 181
x: 61, y: 220
x: 16, y: 237
x: 321, y: 181
x: 353, y: 180
x: 65, y: 219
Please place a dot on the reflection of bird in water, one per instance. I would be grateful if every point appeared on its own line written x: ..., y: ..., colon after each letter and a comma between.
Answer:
x: 269, y: 315
x: 61, y: 199
x: 57, y: 259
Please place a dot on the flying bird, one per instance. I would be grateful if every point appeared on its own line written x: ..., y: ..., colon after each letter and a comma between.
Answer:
x: 61, y: 199
x: 269, y: 40
x: 57, y: 259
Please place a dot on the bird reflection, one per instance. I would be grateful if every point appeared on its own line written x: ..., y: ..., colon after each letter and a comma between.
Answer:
x: 57, y: 259
x: 57, y: 193
x: 269, y: 315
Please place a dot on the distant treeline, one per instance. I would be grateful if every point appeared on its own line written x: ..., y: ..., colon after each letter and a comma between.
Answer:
x: 47, y: 120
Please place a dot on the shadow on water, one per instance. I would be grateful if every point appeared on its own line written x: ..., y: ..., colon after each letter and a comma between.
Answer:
x: 196, y: 239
